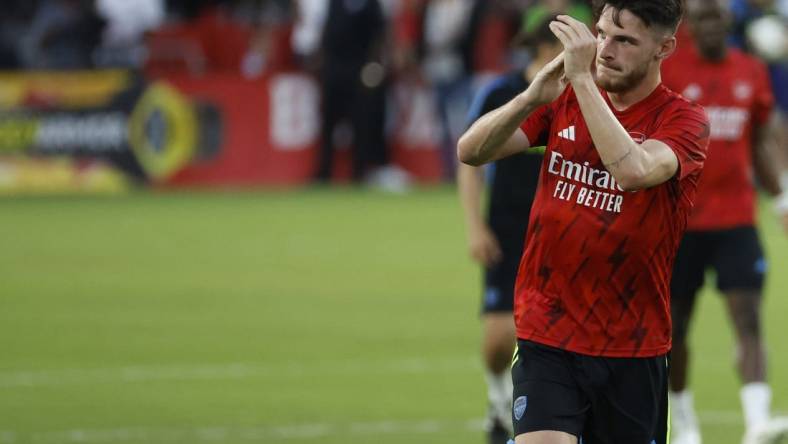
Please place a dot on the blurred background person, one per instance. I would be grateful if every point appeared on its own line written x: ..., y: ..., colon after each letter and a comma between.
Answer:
x: 734, y: 89
x: 269, y: 46
x: 126, y: 22
x: 495, y: 241
x: 63, y: 34
x: 448, y: 33
x: 305, y: 40
x: 759, y: 28
x: 14, y: 22
x: 205, y: 36
x: 352, y: 71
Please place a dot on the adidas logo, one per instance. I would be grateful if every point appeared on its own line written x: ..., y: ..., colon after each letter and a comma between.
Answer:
x: 567, y: 133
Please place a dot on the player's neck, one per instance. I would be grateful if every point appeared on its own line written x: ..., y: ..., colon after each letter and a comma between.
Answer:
x: 623, y: 100
x: 713, y: 55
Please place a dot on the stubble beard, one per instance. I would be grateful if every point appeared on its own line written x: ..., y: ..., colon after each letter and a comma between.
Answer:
x: 622, y: 84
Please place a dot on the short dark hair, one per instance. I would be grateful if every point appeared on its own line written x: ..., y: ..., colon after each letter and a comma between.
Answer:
x: 662, y: 13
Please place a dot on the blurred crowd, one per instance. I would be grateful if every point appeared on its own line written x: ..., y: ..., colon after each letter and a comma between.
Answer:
x: 79, y: 34
x: 251, y: 36
x: 355, y: 48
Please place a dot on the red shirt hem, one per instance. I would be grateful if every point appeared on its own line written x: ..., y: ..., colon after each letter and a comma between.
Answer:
x: 609, y: 353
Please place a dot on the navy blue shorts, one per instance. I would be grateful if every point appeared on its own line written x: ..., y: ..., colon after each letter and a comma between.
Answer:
x: 735, y: 255
x: 499, y: 280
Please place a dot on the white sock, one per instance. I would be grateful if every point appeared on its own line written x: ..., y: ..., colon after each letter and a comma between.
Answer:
x: 499, y: 393
x: 682, y: 411
x: 756, y: 398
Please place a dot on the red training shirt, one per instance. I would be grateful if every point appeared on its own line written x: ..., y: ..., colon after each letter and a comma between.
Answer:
x: 594, y: 276
x: 737, y: 96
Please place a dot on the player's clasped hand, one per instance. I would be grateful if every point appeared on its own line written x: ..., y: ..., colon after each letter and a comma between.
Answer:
x: 573, y: 63
x: 550, y: 81
x: 579, y: 46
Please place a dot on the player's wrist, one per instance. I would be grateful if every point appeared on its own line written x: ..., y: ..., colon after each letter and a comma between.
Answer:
x: 581, y: 78
x: 583, y: 83
x: 529, y: 99
x: 475, y: 228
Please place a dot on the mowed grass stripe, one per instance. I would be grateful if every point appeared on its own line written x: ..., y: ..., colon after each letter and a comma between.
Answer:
x: 305, y: 432
x: 239, y: 370
x: 317, y: 287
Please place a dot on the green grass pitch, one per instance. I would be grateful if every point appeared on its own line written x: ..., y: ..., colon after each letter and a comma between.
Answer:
x: 291, y: 317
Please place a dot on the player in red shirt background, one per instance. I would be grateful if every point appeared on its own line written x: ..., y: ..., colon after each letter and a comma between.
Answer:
x: 622, y: 162
x: 734, y: 89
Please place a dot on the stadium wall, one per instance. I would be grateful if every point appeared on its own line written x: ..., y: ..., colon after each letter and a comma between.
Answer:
x: 107, y: 130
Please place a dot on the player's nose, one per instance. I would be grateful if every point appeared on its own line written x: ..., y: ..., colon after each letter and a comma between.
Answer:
x: 605, y: 49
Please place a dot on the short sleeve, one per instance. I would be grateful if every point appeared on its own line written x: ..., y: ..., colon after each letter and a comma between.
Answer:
x: 483, y: 101
x: 764, y: 98
x: 671, y: 70
x: 537, y: 125
x: 686, y: 132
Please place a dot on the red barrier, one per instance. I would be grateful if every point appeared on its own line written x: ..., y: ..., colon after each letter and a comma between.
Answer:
x: 272, y: 128
x: 268, y: 130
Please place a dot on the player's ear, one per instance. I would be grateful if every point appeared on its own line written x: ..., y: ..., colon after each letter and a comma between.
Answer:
x: 666, y: 48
